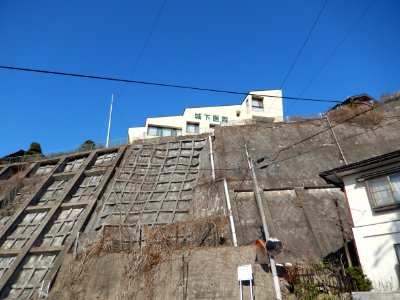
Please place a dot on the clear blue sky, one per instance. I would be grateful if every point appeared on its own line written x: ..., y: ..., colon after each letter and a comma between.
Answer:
x: 232, y: 45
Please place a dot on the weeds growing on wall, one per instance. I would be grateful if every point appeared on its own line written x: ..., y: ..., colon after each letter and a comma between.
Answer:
x: 16, y: 185
x: 160, y: 243
x: 324, y: 281
x: 362, y: 281
x: 362, y: 115
x: 147, y: 249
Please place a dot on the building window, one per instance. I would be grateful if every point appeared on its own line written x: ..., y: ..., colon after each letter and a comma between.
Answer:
x: 212, y: 127
x: 384, y: 191
x: 192, y: 128
x: 163, y: 131
x: 258, y: 104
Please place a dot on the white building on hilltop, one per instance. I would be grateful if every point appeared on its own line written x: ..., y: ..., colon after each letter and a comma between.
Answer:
x: 257, y: 104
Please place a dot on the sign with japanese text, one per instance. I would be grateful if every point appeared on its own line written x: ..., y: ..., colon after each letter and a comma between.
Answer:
x: 213, y: 118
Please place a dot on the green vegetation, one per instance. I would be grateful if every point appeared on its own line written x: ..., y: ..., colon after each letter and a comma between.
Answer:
x: 306, y: 291
x: 87, y: 145
x: 357, y: 274
x: 34, y: 149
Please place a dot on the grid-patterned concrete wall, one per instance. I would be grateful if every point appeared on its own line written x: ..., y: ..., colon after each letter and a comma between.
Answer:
x: 35, y: 239
x: 155, y: 184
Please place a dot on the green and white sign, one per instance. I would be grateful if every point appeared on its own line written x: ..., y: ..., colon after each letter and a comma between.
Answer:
x: 215, y: 118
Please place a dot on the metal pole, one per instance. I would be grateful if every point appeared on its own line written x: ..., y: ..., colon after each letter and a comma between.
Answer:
x: 336, y: 140
x: 228, y: 204
x: 275, y: 278
x: 211, y: 157
x: 109, y: 121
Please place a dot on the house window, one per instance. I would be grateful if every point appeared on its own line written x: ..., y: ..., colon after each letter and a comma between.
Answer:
x: 258, y: 104
x: 384, y: 191
x: 192, y: 127
x: 163, y: 131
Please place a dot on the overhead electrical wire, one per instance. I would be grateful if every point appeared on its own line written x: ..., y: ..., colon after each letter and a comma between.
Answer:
x: 351, y: 29
x: 324, y: 64
x: 147, y: 40
x: 159, y: 84
x: 138, y: 59
x: 304, y: 44
x: 275, y: 156
x: 319, y: 147
x: 299, y: 52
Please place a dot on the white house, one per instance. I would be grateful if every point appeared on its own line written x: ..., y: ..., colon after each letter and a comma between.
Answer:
x: 257, y: 104
x: 372, y: 188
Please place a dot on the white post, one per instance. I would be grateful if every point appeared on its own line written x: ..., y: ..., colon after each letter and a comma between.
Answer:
x: 109, y: 121
x: 241, y: 290
x: 211, y: 157
x: 251, y: 289
x: 228, y: 204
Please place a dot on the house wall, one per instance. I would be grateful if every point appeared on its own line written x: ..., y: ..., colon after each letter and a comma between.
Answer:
x: 226, y: 115
x: 375, y: 234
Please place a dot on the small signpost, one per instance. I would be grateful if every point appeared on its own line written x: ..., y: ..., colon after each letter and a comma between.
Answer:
x: 245, y: 273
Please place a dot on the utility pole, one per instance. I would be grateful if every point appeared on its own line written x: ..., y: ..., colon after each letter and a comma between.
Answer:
x: 109, y: 121
x: 336, y: 140
x: 275, y: 277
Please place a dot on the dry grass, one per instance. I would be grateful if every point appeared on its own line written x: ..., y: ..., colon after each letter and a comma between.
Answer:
x: 362, y: 115
x: 147, y: 249
x: 160, y: 243
x: 14, y: 187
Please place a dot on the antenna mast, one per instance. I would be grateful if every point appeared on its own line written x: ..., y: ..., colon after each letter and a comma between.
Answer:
x: 109, y: 120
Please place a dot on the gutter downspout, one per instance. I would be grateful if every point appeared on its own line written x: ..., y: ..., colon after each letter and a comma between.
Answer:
x: 228, y: 204
x: 275, y: 277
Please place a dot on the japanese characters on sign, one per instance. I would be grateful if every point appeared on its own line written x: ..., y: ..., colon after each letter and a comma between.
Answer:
x: 215, y: 118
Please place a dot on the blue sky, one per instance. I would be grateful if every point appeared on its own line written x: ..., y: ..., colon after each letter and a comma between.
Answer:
x: 232, y: 45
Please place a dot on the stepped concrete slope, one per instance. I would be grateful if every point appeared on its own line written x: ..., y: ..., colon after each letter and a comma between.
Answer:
x: 46, y: 205
x: 155, y: 184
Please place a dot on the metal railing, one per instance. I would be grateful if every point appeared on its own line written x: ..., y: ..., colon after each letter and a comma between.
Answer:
x: 297, y: 118
x: 81, y: 148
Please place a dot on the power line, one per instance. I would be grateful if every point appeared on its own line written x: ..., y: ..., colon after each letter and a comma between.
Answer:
x: 324, y: 64
x: 337, y: 47
x: 159, y: 84
x: 149, y: 35
x: 148, y: 38
x: 318, y: 133
x: 319, y: 147
x: 304, y: 44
